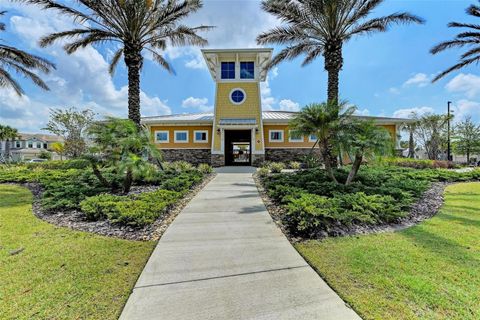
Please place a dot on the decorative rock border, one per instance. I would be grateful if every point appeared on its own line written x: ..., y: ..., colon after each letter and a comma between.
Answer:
x: 427, y: 206
x: 76, y: 220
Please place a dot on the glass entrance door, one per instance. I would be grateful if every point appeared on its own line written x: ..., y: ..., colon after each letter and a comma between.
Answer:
x: 241, y: 153
x: 238, y: 147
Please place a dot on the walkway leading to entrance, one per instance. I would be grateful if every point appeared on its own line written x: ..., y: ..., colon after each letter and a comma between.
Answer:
x: 224, y: 258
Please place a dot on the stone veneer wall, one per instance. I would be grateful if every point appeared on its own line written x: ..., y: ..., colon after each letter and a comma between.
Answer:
x: 287, y: 155
x: 194, y: 156
x: 258, y: 160
x: 217, y: 160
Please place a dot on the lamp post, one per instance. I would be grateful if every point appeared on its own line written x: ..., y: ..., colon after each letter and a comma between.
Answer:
x: 448, y: 132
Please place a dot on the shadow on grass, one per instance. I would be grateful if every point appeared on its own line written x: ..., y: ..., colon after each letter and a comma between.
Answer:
x: 465, y: 221
x: 445, y: 248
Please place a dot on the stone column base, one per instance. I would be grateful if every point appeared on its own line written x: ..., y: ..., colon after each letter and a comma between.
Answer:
x: 258, y: 160
x: 218, y: 160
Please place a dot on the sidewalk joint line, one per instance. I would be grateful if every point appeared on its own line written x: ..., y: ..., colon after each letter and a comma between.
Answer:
x: 220, y: 277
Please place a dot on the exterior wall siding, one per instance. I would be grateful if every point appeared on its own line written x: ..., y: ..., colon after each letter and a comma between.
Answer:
x: 287, y: 155
x: 191, y: 142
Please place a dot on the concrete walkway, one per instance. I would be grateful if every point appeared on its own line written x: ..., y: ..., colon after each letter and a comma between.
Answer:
x: 224, y: 258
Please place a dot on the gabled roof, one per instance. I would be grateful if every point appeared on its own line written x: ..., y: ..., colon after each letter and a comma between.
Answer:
x: 268, y: 117
x: 40, y: 137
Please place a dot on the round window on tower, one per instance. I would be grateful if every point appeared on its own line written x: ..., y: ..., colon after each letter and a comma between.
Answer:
x: 237, y: 96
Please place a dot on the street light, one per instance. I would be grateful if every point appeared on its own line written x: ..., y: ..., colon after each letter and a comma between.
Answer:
x: 449, y: 157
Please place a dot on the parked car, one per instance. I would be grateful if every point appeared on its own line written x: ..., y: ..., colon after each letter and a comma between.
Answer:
x: 37, y: 160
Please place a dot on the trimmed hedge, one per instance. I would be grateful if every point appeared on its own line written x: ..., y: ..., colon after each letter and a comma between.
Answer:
x: 380, y: 194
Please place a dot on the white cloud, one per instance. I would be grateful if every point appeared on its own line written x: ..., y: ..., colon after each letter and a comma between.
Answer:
x: 81, y: 79
x: 394, y: 90
x: 197, y: 103
x: 419, y: 80
x: 463, y: 108
x: 288, y: 105
x: 467, y: 84
x: 407, y: 112
x: 364, y: 112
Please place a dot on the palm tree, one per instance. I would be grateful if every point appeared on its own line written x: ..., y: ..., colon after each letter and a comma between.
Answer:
x: 410, y: 128
x: 7, y: 133
x: 324, y: 121
x: 137, y: 26
x: 363, y: 140
x: 321, y: 27
x: 24, y: 64
x: 468, y: 38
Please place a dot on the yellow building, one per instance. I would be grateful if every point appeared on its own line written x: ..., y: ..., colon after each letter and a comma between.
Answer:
x: 238, y: 131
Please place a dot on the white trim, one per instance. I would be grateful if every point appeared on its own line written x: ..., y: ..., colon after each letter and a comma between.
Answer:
x: 163, y: 131
x: 270, y: 135
x: 175, y: 136
x: 290, y: 139
x: 195, y: 136
x: 310, y: 138
x: 244, y: 96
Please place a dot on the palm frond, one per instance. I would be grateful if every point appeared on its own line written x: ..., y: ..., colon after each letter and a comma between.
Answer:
x: 450, y: 44
x: 30, y: 61
x: 463, y: 25
x: 114, y: 62
x: 6, y: 81
x: 78, y: 16
x: 51, y: 38
x: 282, y: 35
x: 458, y: 66
x: 27, y: 74
x: 161, y: 61
x: 290, y: 53
x: 313, y: 54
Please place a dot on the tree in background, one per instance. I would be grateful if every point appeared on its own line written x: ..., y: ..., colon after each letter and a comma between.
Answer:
x: 431, y: 134
x: 321, y: 27
x: 323, y: 120
x: 136, y: 26
x: 466, y: 138
x: 363, y: 140
x: 8, y: 134
x: 469, y: 38
x: 410, y: 128
x: 71, y: 124
x: 24, y: 64
x: 120, y: 148
x: 45, y: 155
x: 58, y: 148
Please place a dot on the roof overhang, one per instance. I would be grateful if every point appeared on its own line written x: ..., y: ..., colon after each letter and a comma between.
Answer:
x: 262, y: 56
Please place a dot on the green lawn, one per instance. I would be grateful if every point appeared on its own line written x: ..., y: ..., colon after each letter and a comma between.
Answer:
x: 430, y: 271
x: 61, y: 274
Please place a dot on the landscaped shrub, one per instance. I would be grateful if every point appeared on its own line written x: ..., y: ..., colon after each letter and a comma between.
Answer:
x: 263, y: 172
x: 419, y: 163
x: 205, y: 168
x: 309, y: 214
x: 59, y: 164
x: 135, y: 210
x: 276, y: 167
x: 294, y: 165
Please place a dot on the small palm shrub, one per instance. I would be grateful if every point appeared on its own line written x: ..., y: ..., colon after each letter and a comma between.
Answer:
x: 263, y: 172
x: 182, y: 166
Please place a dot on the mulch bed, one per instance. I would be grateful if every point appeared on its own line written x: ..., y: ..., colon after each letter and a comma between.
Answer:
x: 427, y: 206
x: 77, y: 220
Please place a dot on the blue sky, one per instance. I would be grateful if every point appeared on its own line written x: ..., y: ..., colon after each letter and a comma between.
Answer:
x: 384, y: 74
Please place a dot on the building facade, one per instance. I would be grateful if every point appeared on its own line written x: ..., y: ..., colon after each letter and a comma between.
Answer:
x: 28, y: 146
x: 238, y: 131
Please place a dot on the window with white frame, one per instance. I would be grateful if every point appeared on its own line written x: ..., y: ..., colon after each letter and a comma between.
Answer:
x: 200, y: 136
x: 276, y: 135
x: 181, y: 136
x: 18, y: 144
x: 30, y: 144
x: 162, y: 136
x: 312, y: 138
x: 294, y: 136
x: 39, y: 145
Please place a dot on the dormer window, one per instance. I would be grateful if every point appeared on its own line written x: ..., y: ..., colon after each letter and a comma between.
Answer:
x: 247, y: 70
x: 228, y: 70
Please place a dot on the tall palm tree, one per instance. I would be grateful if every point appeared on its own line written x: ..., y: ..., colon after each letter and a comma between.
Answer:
x: 321, y: 27
x: 364, y: 140
x: 21, y: 62
x: 137, y: 26
x: 7, y: 133
x: 323, y: 120
x: 470, y: 38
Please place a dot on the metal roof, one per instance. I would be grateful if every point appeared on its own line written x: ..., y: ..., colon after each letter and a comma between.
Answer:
x: 226, y: 122
x: 268, y: 117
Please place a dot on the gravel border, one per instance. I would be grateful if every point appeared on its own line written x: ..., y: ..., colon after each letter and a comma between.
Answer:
x: 76, y: 220
x: 427, y: 206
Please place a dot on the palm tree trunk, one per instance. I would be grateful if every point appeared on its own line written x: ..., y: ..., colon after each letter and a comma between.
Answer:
x: 333, y: 64
x: 7, y: 149
x: 134, y: 61
x: 355, y: 167
x: 327, y: 161
x: 127, y: 182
